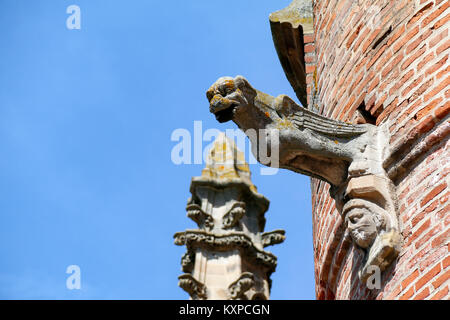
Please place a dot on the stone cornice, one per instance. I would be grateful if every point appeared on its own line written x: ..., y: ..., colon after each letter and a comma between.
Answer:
x: 234, y: 240
x: 217, y: 184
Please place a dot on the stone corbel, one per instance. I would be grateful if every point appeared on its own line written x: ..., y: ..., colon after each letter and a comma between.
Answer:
x: 273, y: 237
x: 238, y: 288
x: 192, y: 286
x: 195, y: 212
x: 370, y: 216
x: 348, y: 156
x: 232, y: 217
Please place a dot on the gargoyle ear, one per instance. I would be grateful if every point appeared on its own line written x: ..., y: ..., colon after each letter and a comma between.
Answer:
x: 242, y: 84
x: 285, y: 106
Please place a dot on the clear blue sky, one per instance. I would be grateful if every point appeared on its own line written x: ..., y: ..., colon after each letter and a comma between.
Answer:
x: 86, y: 117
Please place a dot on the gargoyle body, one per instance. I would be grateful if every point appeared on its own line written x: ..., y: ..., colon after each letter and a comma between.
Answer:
x: 348, y: 156
x: 308, y: 143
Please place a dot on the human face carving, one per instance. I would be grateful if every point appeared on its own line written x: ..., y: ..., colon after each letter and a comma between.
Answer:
x: 362, y: 226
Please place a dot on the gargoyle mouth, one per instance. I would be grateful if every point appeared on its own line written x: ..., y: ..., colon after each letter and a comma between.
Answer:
x: 225, y: 115
x: 223, y: 108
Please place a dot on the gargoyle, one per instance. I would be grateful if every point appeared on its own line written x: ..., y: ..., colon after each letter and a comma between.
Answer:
x: 308, y: 143
x: 348, y: 156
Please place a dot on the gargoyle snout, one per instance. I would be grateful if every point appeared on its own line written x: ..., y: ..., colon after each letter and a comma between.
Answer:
x: 219, y: 103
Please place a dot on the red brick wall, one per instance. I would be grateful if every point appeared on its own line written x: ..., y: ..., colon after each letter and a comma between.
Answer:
x: 389, y: 58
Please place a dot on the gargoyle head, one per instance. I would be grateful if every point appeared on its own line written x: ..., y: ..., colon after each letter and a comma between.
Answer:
x: 227, y: 96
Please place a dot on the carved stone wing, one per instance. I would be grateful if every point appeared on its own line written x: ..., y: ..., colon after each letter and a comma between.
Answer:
x: 304, y: 118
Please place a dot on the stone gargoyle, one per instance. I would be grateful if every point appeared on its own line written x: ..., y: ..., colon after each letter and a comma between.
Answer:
x: 348, y: 156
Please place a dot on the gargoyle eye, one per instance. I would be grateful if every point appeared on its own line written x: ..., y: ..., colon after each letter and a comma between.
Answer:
x: 227, y: 87
x: 210, y: 94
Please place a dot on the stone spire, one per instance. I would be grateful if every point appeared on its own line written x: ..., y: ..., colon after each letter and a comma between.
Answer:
x: 225, y: 258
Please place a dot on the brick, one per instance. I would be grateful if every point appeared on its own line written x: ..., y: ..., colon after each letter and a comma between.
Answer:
x: 408, y: 294
x: 423, y: 294
x: 441, y: 279
x: 413, y: 276
x: 441, y: 294
x: 309, y: 59
x: 442, y: 111
x: 433, y: 193
x: 446, y: 262
x: 427, y: 236
x: 435, y: 40
x: 441, y: 22
x: 360, y: 39
x: 436, y: 66
x: 443, y: 47
x: 403, y: 40
x: 414, y: 57
x: 431, y: 258
x: 427, y: 109
x: 424, y: 60
x: 416, y: 234
x: 308, y: 38
x: 427, y: 277
x: 414, y: 84
x: 365, y: 81
x: 413, y: 45
x: 370, y: 38
x: 394, y: 293
x: 419, y: 14
x: 378, y: 106
x: 415, y: 221
x: 440, y: 240
x: 309, y: 48
x: 396, y: 35
x: 391, y: 65
x: 433, y: 15
x: 353, y: 36
x: 418, y: 256
x: 401, y: 82
x: 310, y: 68
x: 389, y: 108
x: 423, y: 87
x: 444, y: 198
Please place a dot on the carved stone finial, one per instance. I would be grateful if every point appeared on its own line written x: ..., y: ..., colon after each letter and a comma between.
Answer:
x: 225, y: 162
x: 230, y: 240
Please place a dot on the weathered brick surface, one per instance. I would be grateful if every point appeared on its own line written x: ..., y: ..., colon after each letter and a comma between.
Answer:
x: 391, y: 58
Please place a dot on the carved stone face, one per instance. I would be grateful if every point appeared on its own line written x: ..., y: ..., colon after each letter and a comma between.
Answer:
x: 363, y: 220
x: 227, y: 95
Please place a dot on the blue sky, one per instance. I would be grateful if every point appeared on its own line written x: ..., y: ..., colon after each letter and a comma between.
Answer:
x: 86, y: 118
